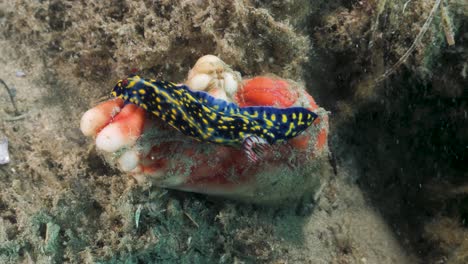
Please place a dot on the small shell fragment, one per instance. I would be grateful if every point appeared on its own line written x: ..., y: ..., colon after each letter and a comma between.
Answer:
x: 4, y: 156
x: 20, y: 73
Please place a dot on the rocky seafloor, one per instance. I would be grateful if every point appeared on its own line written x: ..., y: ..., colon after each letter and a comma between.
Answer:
x: 392, y: 73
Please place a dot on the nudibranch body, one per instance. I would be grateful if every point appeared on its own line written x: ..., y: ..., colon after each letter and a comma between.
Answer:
x: 205, y: 118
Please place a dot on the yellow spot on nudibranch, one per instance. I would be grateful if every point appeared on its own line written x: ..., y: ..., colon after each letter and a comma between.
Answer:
x: 273, y: 117
x: 212, y: 116
x: 190, y: 97
x: 206, y: 109
x: 131, y: 84
x: 268, y: 123
x: 291, y: 127
x: 300, y: 120
x: 284, y: 118
x: 249, y: 114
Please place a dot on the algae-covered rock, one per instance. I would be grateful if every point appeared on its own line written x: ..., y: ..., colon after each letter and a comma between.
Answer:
x: 156, y: 36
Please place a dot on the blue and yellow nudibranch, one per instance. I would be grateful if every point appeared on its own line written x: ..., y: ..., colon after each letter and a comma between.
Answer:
x: 205, y: 118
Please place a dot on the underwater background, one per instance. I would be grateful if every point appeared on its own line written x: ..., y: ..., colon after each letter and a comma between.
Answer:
x: 393, y: 75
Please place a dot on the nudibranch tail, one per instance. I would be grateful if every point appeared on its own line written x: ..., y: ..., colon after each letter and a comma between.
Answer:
x: 205, y: 118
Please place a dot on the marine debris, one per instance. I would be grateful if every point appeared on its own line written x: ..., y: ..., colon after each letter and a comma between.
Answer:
x: 4, y: 155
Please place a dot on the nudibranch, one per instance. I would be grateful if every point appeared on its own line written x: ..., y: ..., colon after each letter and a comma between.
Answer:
x: 205, y: 118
